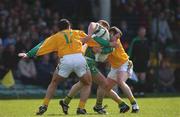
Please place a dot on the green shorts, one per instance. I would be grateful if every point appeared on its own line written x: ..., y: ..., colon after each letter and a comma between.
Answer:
x: 92, y: 66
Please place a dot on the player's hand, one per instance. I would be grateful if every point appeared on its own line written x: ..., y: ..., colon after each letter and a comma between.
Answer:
x: 23, y: 55
x: 114, y: 44
x: 86, y: 39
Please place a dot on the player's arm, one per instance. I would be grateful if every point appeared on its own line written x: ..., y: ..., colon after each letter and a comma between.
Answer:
x: 104, y: 50
x: 84, y: 38
x: 45, y: 47
x: 32, y: 52
x: 107, y: 50
x: 105, y: 43
x: 91, y: 29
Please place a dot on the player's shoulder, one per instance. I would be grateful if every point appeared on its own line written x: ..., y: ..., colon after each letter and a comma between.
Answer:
x: 78, y: 31
x: 60, y: 33
x: 94, y: 23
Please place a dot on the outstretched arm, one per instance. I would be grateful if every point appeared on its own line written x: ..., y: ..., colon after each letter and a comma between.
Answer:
x: 32, y: 52
x: 44, y: 47
x: 23, y: 55
x: 92, y: 27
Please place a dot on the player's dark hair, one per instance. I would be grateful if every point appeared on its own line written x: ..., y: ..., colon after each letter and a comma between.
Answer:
x: 64, y: 24
x: 104, y: 23
x: 115, y: 30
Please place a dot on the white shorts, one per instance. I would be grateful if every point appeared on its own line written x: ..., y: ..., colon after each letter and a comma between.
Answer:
x: 126, y: 67
x: 72, y: 63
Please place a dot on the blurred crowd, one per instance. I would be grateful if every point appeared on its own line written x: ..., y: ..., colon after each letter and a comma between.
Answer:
x: 151, y: 37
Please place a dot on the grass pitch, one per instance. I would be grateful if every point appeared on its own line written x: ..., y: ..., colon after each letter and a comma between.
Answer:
x: 149, y: 107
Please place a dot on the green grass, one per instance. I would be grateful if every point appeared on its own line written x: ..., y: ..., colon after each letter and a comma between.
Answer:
x: 149, y: 107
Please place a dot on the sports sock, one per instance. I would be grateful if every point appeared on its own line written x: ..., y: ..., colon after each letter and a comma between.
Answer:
x: 132, y: 100
x: 119, y: 101
x: 81, y: 104
x: 99, y: 102
x: 67, y: 100
x: 46, y: 101
x: 122, y: 104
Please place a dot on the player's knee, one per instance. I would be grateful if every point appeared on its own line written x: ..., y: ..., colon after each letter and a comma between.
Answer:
x: 105, y: 86
x: 108, y: 85
x: 121, y: 83
x: 55, y: 81
x: 86, y: 81
x: 108, y: 88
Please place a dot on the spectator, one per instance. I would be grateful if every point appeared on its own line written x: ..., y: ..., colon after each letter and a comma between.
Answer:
x: 21, y: 43
x: 166, y: 77
x: 44, y: 71
x: 27, y: 71
x: 160, y: 30
x: 10, y: 58
x: 125, y: 38
x: 139, y: 53
x: 9, y: 40
x: 2, y: 67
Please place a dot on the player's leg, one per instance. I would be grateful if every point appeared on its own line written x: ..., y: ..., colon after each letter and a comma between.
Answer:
x: 73, y: 91
x: 111, y: 81
x: 105, y: 87
x: 99, y: 79
x: 50, y: 92
x: 84, y: 85
x: 84, y: 92
x: 121, y: 103
x: 121, y: 80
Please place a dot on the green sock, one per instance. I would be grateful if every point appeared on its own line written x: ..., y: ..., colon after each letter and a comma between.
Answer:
x: 67, y: 100
x: 122, y: 104
x: 99, y: 102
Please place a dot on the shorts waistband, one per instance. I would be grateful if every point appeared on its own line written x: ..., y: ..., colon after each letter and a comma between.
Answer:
x: 72, y: 55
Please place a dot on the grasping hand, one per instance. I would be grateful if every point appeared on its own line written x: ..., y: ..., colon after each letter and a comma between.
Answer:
x: 114, y: 44
x: 23, y: 55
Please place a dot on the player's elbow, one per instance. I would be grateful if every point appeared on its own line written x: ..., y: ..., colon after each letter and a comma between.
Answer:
x: 92, y: 24
x: 91, y: 28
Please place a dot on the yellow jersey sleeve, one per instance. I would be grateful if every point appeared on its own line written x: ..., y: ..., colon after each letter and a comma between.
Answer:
x: 66, y: 42
x: 49, y: 45
x: 118, y: 56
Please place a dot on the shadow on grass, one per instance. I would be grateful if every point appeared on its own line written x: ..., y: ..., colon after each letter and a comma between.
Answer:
x: 71, y: 114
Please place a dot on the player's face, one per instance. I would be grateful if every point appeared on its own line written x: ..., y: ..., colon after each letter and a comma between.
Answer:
x: 117, y: 35
x: 114, y: 36
x: 142, y: 32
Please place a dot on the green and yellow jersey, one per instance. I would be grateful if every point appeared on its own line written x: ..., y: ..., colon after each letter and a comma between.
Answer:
x: 64, y: 43
x: 69, y: 42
